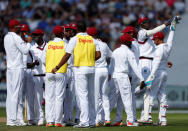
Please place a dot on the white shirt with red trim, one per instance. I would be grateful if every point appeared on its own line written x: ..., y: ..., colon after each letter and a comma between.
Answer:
x: 122, y: 58
x: 162, y: 54
x: 15, y: 48
x: 146, y: 44
x: 37, y: 53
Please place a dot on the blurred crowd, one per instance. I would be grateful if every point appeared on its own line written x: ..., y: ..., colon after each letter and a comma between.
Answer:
x: 108, y: 16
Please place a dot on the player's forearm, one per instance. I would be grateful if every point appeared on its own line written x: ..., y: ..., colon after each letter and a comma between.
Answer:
x: 155, y: 30
x: 64, y: 60
x: 97, y: 55
x: 170, y: 39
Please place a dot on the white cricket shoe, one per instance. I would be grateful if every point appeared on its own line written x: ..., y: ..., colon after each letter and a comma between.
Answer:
x: 12, y: 123
x: 40, y: 123
x: 163, y: 123
x: 21, y: 123
x: 132, y: 124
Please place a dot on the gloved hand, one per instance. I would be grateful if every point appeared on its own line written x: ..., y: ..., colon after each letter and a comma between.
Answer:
x: 149, y: 81
x: 175, y: 21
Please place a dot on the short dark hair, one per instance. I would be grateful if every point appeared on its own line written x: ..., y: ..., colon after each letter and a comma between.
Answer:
x: 81, y: 26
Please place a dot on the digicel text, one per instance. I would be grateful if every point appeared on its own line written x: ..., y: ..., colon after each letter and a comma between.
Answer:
x: 55, y: 47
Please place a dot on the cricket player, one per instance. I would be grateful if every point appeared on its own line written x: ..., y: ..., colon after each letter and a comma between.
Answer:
x: 159, y: 71
x: 147, y: 48
x: 85, y: 51
x: 29, y: 64
x: 134, y: 80
x: 55, y: 83
x: 102, y: 104
x: 38, y: 73
x: 15, y: 48
x: 122, y: 57
x: 70, y: 90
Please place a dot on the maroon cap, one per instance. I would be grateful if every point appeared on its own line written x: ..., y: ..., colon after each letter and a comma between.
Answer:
x: 141, y: 20
x: 129, y: 29
x: 25, y: 27
x: 38, y: 32
x: 91, y: 31
x: 67, y: 26
x: 13, y: 23
x: 126, y: 38
x: 73, y: 26
x: 158, y: 35
x: 58, y: 30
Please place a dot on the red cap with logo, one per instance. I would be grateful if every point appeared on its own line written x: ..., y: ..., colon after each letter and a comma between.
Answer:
x: 67, y: 26
x: 92, y: 31
x: 158, y: 35
x: 141, y: 20
x: 73, y: 26
x: 126, y: 38
x: 25, y: 27
x: 13, y: 23
x: 58, y: 30
x: 38, y: 32
x: 129, y: 29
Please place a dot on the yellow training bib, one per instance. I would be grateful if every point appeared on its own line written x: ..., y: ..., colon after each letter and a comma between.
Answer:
x: 84, y: 51
x: 54, y: 54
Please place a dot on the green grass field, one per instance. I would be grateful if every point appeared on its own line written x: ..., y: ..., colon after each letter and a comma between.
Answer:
x: 176, y: 122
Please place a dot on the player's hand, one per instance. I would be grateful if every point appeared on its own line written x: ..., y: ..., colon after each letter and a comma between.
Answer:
x: 170, y: 64
x: 36, y: 62
x: 29, y: 39
x: 109, y: 77
x: 142, y: 85
x: 168, y: 22
x: 54, y: 70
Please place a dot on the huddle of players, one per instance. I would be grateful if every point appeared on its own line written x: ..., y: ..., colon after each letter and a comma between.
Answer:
x: 74, y: 69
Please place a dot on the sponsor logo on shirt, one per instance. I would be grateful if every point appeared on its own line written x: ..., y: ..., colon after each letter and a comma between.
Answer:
x: 55, y: 47
x: 85, y: 41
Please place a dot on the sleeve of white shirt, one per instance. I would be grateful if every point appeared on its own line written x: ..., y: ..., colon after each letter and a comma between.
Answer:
x: 156, y: 61
x: 22, y: 46
x: 111, y: 66
x: 155, y: 30
x: 109, y: 52
x: 71, y: 45
x: 44, y: 55
x: 142, y: 35
x: 134, y: 65
x: 96, y: 42
x: 170, y: 39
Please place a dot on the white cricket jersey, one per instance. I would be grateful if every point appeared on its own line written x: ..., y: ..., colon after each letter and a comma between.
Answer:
x: 70, y: 47
x: 105, y: 53
x: 15, y: 48
x: 71, y: 59
x: 161, y: 55
x: 121, y: 59
x: 37, y: 53
x: 146, y: 45
x: 135, y: 49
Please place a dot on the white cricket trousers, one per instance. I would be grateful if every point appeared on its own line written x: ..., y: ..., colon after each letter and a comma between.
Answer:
x: 145, y: 67
x: 158, y: 90
x: 38, y: 88
x: 14, y: 85
x: 115, y: 100
x: 29, y: 93
x: 69, y: 96
x: 84, y: 86
x: 122, y: 84
x: 102, y: 104
x: 54, y: 94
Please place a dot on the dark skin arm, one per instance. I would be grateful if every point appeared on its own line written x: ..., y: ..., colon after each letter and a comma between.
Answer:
x: 62, y: 62
x: 97, y: 55
x: 31, y: 65
x: 142, y: 85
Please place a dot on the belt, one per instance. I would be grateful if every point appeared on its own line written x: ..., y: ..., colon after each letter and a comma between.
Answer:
x: 143, y: 57
x: 39, y: 75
